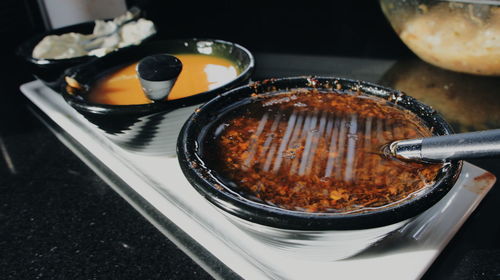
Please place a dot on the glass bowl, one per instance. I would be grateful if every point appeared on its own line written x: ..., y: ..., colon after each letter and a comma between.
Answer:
x: 462, y: 36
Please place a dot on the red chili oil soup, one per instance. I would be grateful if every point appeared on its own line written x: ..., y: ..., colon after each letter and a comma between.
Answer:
x: 317, y: 151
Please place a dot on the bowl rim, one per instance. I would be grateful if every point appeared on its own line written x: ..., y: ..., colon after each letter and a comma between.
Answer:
x: 83, y: 105
x: 228, y: 201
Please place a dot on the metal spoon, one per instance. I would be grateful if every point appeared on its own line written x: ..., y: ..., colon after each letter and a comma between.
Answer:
x: 456, y: 146
x: 157, y: 74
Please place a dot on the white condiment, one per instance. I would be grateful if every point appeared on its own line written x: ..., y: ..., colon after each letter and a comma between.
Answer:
x: 71, y: 45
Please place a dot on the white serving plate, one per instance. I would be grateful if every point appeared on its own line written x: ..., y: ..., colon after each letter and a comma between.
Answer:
x: 156, y: 187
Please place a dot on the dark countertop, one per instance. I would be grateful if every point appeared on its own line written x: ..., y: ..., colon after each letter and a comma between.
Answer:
x: 59, y: 220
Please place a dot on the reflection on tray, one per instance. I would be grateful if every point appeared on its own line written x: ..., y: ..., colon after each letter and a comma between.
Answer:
x: 151, y: 135
x: 428, y: 230
x: 468, y: 102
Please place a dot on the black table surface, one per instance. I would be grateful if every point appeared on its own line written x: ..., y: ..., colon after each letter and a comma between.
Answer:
x: 59, y: 220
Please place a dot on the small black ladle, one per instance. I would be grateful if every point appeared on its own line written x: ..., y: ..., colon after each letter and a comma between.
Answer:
x: 158, y: 74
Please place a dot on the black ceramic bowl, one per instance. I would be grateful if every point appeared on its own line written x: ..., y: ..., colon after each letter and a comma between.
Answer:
x: 137, y: 127
x: 50, y: 71
x: 206, y: 181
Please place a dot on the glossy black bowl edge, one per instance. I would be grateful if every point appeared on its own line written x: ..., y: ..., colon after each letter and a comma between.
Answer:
x: 279, y: 218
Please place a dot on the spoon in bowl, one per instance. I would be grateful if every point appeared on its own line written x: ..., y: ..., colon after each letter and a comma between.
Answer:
x: 469, y: 145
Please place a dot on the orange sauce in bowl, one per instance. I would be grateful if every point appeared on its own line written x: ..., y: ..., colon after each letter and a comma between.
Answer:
x: 199, y: 74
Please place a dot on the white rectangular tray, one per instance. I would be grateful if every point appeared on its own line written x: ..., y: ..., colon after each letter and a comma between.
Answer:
x: 161, y: 186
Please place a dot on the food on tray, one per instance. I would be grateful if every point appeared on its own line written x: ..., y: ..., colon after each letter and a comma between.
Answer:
x: 199, y: 74
x: 123, y: 32
x: 317, y: 151
x: 455, y: 36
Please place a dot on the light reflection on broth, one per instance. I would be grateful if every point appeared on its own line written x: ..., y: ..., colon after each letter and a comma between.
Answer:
x: 317, y: 152
x: 199, y: 74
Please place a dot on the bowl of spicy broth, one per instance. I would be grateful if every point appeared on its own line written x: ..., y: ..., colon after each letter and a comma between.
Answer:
x: 108, y: 93
x: 304, y: 156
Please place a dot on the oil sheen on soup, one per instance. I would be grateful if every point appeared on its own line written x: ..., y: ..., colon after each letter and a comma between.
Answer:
x: 316, y: 151
x: 199, y: 74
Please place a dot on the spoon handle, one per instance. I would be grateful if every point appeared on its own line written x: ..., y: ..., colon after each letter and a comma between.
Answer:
x: 478, y: 144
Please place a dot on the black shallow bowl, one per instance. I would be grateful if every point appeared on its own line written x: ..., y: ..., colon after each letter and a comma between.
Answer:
x: 136, y: 127
x: 203, y: 180
x: 50, y: 71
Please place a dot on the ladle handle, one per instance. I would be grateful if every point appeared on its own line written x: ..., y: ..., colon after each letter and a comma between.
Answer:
x: 456, y: 146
